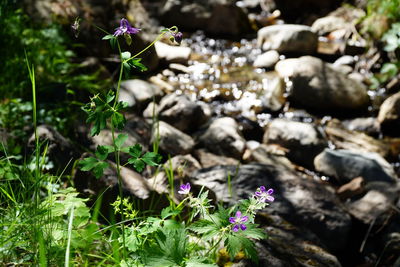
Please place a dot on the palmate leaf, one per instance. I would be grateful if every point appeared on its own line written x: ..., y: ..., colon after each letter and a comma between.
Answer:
x: 135, y: 63
x: 120, y: 140
x: 139, y: 161
x: 203, y: 226
x: 93, y: 164
x: 237, y: 242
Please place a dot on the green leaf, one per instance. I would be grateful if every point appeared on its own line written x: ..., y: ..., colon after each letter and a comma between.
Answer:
x: 118, y: 120
x: 135, y: 151
x: 125, y: 55
x: 99, y: 169
x: 249, y: 249
x: 151, y: 158
x: 87, y: 164
x: 233, y: 245
x: 110, y: 96
x: 137, y: 164
x: 102, y: 152
x: 167, y: 212
x: 120, y: 140
x: 203, y: 226
x: 135, y: 63
x: 255, y: 233
x: 107, y: 37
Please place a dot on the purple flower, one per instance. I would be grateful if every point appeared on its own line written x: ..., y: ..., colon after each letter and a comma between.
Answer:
x: 125, y: 28
x: 238, y: 221
x: 184, y: 189
x: 264, y: 195
x: 177, y: 37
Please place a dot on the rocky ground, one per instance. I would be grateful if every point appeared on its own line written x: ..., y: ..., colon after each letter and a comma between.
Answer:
x: 277, y: 104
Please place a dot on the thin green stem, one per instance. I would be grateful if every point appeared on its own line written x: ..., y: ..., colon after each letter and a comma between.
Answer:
x: 117, y: 152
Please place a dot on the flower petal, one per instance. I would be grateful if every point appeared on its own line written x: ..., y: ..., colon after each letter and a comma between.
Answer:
x: 262, y: 188
x: 270, y: 191
x: 235, y: 228
x: 270, y: 198
x: 244, y: 219
x: 243, y: 227
x: 238, y: 214
x: 232, y: 220
x: 257, y: 193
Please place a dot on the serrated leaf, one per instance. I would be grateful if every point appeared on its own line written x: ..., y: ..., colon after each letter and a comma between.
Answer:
x: 118, y: 120
x: 137, y: 164
x: 249, y: 249
x: 151, y: 158
x: 98, y: 170
x: 102, y: 152
x: 87, y: 164
x: 107, y: 37
x: 120, y: 140
x: 255, y: 233
x: 125, y: 55
x: 203, y: 226
x: 167, y: 212
x: 233, y: 245
x: 135, y: 151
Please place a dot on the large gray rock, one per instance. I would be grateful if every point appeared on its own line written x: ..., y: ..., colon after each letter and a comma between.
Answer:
x: 303, y: 140
x: 288, y: 38
x: 303, y: 202
x: 181, y: 112
x: 139, y: 93
x: 379, y: 200
x: 345, y: 165
x: 171, y: 140
x: 218, y: 17
x: 222, y: 137
x: 316, y: 85
x: 389, y: 115
x: 173, y: 54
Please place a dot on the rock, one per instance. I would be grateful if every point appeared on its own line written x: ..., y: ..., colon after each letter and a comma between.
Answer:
x: 345, y: 60
x: 368, y: 125
x: 302, y: 140
x: 59, y: 149
x: 139, y: 93
x: 180, y: 111
x: 289, y: 245
x: 389, y: 115
x: 218, y: 17
x: 222, y: 137
x: 328, y: 24
x: 172, y: 54
x: 267, y: 60
x: 378, y: 200
x: 208, y: 159
x: 353, y: 188
x: 250, y: 129
x: 182, y: 166
x: 345, y: 165
x: 272, y: 96
x: 354, y: 141
x: 171, y: 140
x: 288, y: 38
x: 303, y: 202
x: 316, y: 85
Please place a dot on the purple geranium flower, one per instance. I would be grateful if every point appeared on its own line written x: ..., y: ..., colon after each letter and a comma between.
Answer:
x: 125, y: 28
x: 264, y: 195
x: 184, y: 189
x: 238, y: 221
x: 177, y: 37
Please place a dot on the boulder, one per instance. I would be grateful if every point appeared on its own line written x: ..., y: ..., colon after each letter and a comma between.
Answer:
x: 368, y: 125
x: 344, y: 165
x: 267, y: 60
x: 354, y: 141
x: 222, y: 137
x: 328, y: 24
x: 172, y: 54
x: 171, y: 140
x: 288, y: 38
x: 317, y: 85
x: 218, y: 17
x: 389, y: 115
x: 208, y: 159
x: 179, y: 111
x: 303, y: 202
x: 379, y: 199
x: 302, y: 140
x: 138, y: 93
